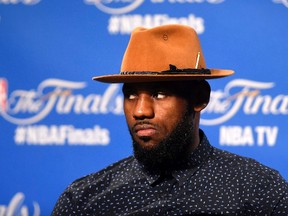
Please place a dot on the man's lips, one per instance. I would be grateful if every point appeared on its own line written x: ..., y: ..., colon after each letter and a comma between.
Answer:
x: 144, y: 130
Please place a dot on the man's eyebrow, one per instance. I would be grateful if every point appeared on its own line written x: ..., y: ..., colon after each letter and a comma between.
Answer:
x: 126, y: 88
x: 169, y: 89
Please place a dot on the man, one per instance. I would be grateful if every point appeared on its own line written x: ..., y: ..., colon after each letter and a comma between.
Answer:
x: 174, y: 169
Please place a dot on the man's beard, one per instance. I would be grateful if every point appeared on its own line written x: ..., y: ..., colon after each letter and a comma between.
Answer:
x: 171, y: 153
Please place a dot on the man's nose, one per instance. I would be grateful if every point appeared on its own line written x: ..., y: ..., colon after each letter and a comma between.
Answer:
x: 144, y: 107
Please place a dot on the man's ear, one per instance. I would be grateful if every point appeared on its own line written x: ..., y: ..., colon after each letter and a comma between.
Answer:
x: 201, y: 95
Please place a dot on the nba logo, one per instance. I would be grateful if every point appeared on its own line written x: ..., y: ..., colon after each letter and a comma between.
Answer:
x: 3, y: 95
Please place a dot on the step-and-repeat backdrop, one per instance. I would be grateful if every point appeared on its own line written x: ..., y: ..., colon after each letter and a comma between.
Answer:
x: 56, y: 124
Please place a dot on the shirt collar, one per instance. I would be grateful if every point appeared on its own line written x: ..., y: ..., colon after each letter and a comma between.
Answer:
x: 197, y: 158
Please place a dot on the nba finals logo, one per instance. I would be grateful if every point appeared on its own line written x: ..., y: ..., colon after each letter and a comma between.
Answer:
x: 3, y: 95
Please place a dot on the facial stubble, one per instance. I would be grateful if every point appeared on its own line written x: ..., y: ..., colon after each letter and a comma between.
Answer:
x: 172, y: 152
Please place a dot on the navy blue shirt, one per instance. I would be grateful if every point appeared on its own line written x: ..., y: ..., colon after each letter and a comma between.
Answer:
x: 213, y: 182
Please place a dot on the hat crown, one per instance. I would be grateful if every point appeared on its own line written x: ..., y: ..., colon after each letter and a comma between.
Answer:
x: 164, y: 53
x: 153, y: 50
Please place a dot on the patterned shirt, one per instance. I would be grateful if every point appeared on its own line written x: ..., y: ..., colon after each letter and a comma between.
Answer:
x: 214, y: 182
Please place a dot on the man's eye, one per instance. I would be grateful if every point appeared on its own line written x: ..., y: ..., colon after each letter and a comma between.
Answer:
x: 130, y: 96
x: 159, y: 95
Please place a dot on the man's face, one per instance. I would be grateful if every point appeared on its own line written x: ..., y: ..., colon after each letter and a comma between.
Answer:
x: 159, y: 121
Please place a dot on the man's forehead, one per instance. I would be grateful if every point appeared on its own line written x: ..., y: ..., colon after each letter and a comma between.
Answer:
x: 160, y: 85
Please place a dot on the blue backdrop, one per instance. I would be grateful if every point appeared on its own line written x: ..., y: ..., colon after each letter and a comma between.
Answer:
x: 58, y: 125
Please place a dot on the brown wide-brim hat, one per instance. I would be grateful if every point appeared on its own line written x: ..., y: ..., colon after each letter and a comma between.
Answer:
x: 164, y: 53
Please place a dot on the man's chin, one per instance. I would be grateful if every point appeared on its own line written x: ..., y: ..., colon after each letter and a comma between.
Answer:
x: 153, y: 158
x: 145, y: 143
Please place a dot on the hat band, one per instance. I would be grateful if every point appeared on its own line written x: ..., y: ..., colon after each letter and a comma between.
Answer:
x: 173, y: 70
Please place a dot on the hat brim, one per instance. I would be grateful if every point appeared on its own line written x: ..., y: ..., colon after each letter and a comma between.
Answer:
x: 139, y: 78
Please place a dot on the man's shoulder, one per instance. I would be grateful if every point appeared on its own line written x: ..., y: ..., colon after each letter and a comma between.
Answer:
x: 102, y: 175
x: 247, y: 167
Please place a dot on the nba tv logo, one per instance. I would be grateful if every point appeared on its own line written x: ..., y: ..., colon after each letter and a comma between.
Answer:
x: 3, y: 95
